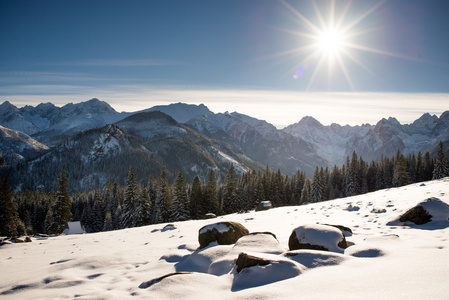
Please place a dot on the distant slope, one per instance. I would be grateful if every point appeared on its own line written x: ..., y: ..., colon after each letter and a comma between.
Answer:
x: 18, y: 146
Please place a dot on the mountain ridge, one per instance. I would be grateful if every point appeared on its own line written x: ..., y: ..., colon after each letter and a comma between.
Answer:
x: 194, y: 139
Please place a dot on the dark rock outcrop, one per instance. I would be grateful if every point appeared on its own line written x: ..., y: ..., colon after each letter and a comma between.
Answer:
x: 224, y: 233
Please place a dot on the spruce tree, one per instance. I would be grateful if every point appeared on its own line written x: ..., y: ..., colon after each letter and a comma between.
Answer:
x: 62, y: 208
x: 401, y: 176
x: 211, y: 203
x: 198, y: 205
x: 8, y: 210
x: 143, y: 209
x: 180, y: 211
x: 305, y: 193
x: 231, y: 202
x: 163, y: 198
x: 441, y: 168
x: 130, y: 202
x: 317, y: 187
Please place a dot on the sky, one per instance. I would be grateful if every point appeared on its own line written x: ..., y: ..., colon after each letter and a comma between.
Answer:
x: 346, y: 62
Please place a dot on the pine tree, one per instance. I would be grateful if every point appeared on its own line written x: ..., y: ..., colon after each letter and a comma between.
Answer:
x: 317, y: 187
x: 305, y: 193
x: 401, y: 176
x: 211, y: 203
x: 231, y: 201
x: 198, y: 207
x: 8, y: 210
x: 130, y: 202
x: 441, y: 168
x: 180, y: 211
x: 62, y: 209
x: 163, y: 198
x: 143, y: 209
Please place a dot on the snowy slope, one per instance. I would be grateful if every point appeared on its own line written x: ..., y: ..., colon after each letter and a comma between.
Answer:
x: 18, y: 144
x: 382, y: 262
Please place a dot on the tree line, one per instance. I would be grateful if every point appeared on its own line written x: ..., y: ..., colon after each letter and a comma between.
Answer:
x: 156, y: 201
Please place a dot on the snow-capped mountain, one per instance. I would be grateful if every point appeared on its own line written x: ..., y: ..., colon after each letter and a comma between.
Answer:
x: 46, y: 122
x: 17, y: 146
x: 194, y: 139
x: 336, y: 142
x: 182, y: 112
x: 279, y: 151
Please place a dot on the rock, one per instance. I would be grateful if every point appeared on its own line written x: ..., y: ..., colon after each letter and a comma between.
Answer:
x: 28, y: 239
x: 224, y: 233
x: 147, y: 284
x: 417, y: 215
x: 431, y: 209
x: 210, y: 216
x: 168, y: 227
x: 264, y: 205
x: 245, y: 261
x: 317, y: 237
x: 342, y: 228
x: 18, y: 240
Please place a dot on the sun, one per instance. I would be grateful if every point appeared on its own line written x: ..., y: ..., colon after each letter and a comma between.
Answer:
x: 330, y: 42
x: 331, y: 39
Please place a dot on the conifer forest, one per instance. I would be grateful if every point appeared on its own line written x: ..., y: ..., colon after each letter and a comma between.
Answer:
x: 159, y: 201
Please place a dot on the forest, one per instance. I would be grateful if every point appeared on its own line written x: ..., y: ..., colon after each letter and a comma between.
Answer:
x: 158, y: 201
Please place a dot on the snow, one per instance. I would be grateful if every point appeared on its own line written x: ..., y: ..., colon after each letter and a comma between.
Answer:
x: 382, y: 261
x: 220, y: 227
x: 320, y: 235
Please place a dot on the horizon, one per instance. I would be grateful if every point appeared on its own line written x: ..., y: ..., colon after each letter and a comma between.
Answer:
x: 274, y: 115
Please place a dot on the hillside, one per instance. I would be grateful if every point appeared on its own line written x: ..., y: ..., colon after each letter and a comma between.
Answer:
x: 386, y: 259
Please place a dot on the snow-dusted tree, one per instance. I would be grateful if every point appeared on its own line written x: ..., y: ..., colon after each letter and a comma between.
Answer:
x: 211, y: 203
x: 108, y: 225
x: 441, y: 168
x: 401, y: 176
x: 62, y: 208
x: 305, y: 193
x: 317, y: 187
x: 197, y: 200
x: 8, y: 210
x: 163, y: 198
x: 231, y: 202
x: 130, y: 202
x: 180, y: 208
x: 143, y: 209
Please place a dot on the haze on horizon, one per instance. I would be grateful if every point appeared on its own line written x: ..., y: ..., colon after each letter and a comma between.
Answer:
x: 342, y: 62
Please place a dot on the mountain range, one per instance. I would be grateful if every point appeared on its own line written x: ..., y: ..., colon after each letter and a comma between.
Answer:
x: 97, y: 143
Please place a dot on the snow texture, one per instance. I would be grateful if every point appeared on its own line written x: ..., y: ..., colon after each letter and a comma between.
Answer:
x: 381, y: 262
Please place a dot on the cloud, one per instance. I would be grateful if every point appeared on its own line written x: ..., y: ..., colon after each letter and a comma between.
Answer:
x: 116, y: 63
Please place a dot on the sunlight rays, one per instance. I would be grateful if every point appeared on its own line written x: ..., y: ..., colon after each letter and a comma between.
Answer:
x: 333, y: 40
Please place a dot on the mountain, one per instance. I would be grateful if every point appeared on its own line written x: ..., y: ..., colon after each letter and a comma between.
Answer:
x: 336, y: 142
x: 193, y: 139
x: 260, y: 141
x: 182, y: 112
x: 11, y: 117
x: 51, y: 124
x: 17, y: 146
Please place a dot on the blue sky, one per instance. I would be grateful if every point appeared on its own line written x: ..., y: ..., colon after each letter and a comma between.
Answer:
x: 252, y: 56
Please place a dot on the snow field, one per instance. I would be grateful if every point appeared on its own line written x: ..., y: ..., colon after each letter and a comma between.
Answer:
x: 382, y: 261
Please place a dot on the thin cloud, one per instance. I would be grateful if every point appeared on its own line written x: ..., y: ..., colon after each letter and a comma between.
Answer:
x: 116, y: 63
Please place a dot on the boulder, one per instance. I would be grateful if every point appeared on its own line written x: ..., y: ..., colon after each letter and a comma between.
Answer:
x: 317, y: 237
x: 224, y: 233
x: 346, y: 230
x: 147, y: 284
x: 431, y: 209
x: 245, y: 261
x: 28, y: 239
x: 210, y: 216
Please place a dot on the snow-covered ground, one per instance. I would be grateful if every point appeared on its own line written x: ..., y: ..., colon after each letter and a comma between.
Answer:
x: 382, y: 262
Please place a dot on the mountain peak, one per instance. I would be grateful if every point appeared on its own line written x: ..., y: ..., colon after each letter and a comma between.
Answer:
x: 7, y: 107
x: 182, y: 112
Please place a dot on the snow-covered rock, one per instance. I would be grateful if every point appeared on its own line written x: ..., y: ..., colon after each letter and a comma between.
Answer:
x: 317, y: 237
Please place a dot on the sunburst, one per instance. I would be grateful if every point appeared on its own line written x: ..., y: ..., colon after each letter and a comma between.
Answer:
x: 333, y: 41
